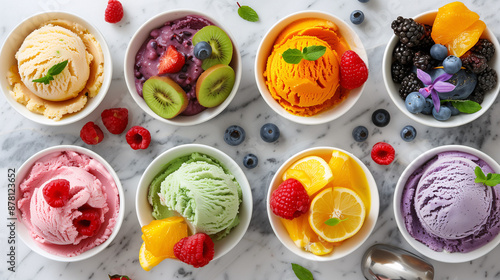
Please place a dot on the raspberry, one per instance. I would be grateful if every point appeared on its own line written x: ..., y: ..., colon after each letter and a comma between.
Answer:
x: 383, y: 153
x: 118, y: 277
x: 290, y: 200
x: 88, y: 223
x: 115, y: 119
x: 353, y: 70
x: 196, y: 250
x: 91, y: 134
x: 138, y: 137
x: 56, y: 192
x: 114, y: 11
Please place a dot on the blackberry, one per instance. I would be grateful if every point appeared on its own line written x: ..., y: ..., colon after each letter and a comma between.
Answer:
x: 427, y: 42
x: 477, y: 95
x: 487, y: 79
x: 399, y: 71
x: 410, y: 33
x: 476, y: 63
x: 409, y: 84
x: 485, y: 48
x: 403, y: 54
x: 422, y: 60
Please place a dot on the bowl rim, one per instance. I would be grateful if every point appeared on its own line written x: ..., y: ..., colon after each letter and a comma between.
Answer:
x: 141, y: 34
x: 223, y: 246
x: 24, y: 233
x: 354, y: 242
x: 93, y: 102
x: 330, y: 114
x: 456, y: 257
x: 455, y: 121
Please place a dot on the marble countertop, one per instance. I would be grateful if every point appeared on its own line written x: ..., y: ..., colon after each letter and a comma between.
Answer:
x: 259, y: 255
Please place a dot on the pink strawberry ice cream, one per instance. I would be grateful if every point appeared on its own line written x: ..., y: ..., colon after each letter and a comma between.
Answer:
x: 91, y: 187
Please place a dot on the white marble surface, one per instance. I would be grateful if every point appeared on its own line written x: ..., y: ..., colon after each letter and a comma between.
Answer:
x: 259, y: 255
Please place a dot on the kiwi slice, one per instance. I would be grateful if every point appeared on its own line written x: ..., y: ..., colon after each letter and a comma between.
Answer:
x: 215, y: 85
x: 164, y: 96
x: 222, y: 48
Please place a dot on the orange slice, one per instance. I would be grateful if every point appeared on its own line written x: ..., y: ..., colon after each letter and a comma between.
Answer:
x: 146, y: 259
x: 451, y: 20
x: 160, y: 236
x: 317, y: 170
x: 467, y: 39
x: 341, y: 203
x: 340, y: 164
x: 304, y: 237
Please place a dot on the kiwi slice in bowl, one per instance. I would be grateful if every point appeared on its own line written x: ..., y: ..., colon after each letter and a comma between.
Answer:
x: 164, y: 96
x: 222, y: 47
x: 214, y: 85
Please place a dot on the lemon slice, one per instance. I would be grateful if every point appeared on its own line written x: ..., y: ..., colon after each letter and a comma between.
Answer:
x: 160, y: 236
x: 299, y: 175
x: 317, y: 170
x: 340, y: 164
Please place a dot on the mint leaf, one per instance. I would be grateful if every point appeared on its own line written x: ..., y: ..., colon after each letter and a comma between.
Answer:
x: 247, y: 13
x: 334, y: 221
x: 492, y: 179
x: 312, y: 53
x: 301, y: 272
x: 292, y: 56
x: 465, y: 106
x: 480, y: 177
x: 45, y: 79
x: 54, y: 70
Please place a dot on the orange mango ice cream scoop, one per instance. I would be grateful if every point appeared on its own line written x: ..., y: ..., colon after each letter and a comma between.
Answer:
x: 309, y: 87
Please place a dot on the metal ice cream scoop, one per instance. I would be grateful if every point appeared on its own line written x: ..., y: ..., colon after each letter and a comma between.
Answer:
x: 385, y: 262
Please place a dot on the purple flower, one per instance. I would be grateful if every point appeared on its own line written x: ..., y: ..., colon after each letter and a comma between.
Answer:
x: 433, y: 87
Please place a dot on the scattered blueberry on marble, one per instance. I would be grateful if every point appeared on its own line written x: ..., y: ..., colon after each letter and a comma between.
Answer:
x: 250, y: 161
x: 269, y: 132
x: 381, y: 117
x: 202, y: 50
x: 443, y: 114
x: 415, y: 102
x: 408, y: 133
x: 357, y: 17
x: 363, y: 1
x: 360, y: 133
x: 439, y: 52
x: 452, y: 64
x: 234, y: 135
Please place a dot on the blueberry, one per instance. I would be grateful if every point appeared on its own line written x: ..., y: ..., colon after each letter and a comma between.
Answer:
x: 202, y: 50
x: 357, y: 17
x: 363, y: 1
x: 452, y: 64
x: 381, y: 118
x: 408, y: 133
x: 234, y: 135
x: 443, y: 114
x: 250, y: 161
x: 439, y: 52
x: 269, y: 132
x: 415, y: 102
x: 454, y: 111
x: 428, y: 107
x: 360, y: 133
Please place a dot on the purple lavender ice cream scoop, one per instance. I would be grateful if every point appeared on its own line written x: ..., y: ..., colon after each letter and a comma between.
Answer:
x: 445, y: 209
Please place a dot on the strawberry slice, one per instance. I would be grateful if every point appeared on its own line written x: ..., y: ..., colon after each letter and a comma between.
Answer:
x: 171, y: 61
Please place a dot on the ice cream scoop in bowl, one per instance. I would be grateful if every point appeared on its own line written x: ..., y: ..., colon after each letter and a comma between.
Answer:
x: 440, y: 209
x: 76, y: 90
x: 204, y: 186
x: 76, y: 223
x: 197, y: 92
x: 288, y: 91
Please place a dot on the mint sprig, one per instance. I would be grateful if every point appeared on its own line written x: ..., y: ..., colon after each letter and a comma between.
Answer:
x: 301, y: 272
x: 464, y: 106
x: 334, y: 221
x: 492, y: 179
x: 247, y: 13
x: 311, y: 53
x: 54, y: 70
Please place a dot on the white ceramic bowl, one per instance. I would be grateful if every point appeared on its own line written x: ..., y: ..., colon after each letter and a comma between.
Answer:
x: 456, y: 257
x: 347, y: 246
x: 14, y: 41
x: 429, y: 120
x: 25, y: 234
x: 266, y: 47
x: 144, y: 209
x: 135, y: 44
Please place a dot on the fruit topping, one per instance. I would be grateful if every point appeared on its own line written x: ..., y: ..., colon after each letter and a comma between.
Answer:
x: 360, y: 133
x: 408, y: 133
x: 171, y: 61
x: 269, y: 132
x: 196, y: 250
x: 91, y: 134
x: 487, y: 79
x: 214, y: 85
x: 164, y: 96
x: 451, y: 20
x: 383, y: 153
x: 160, y: 236
x: 474, y: 62
x: 289, y: 200
x: 316, y: 169
x: 138, y: 137
x: 222, y: 48
x: 56, y: 192
x: 381, y: 117
x: 485, y: 48
x: 415, y: 102
x: 148, y: 260
x: 118, y: 277
x: 234, y: 135
x: 303, y: 236
x: 422, y: 60
x: 409, y: 32
x: 409, y: 84
x: 443, y: 114
x: 403, y: 54
x: 115, y: 119
x: 353, y: 70
x: 114, y: 11
x: 399, y: 71
x: 439, y: 52
x: 357, y: 17
x: 202, y: 50
x: 88, y: 223
x: 452, y: 64
x: 250, y: 161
